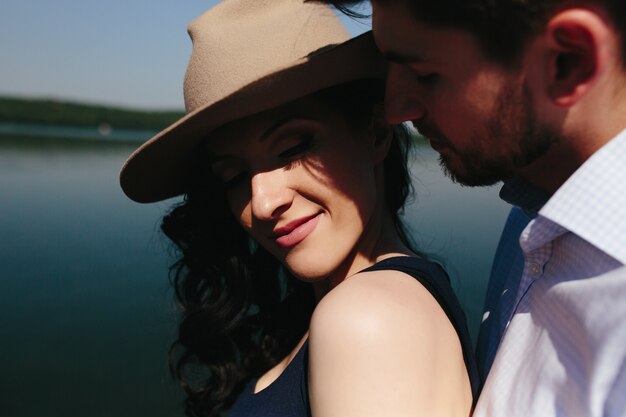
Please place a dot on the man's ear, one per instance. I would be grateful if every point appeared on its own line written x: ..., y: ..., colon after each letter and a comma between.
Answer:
x: 578, y: 41
x: 382, y: 134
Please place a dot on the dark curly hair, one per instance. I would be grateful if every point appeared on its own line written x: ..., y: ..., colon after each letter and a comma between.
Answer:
x: 242, y: 312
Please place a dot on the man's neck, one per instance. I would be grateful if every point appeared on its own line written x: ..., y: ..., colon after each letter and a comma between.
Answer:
x: 553, y: 169
x: 579, y: 142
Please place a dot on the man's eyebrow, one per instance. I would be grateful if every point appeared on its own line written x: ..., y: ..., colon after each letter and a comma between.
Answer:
x: 398, y: 58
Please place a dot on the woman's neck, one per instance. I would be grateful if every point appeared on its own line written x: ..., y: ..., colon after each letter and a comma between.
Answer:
x: 381, y: 241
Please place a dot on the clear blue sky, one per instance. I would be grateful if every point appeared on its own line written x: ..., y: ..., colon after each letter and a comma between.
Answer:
x: 123, y: 52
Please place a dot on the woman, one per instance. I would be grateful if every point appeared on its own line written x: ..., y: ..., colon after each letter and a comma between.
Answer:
x: 301, y: 294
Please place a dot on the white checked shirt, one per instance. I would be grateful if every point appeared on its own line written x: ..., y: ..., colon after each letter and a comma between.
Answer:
x: 563, y: 352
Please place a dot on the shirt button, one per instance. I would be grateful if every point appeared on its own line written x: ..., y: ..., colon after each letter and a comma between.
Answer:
x: 534, y: 268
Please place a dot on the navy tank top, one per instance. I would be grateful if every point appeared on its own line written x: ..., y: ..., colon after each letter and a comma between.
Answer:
x: 288, y: 395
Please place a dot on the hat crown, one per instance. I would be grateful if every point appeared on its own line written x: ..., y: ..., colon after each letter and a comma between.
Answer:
x: 230, y: 44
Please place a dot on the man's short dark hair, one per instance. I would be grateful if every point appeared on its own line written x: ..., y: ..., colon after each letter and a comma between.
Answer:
x: 502, y: 26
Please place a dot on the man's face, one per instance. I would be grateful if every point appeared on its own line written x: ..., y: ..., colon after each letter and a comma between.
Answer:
x: 477, y: 114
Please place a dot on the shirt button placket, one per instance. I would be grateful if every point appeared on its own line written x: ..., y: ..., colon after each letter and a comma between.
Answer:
x: 534, y: 268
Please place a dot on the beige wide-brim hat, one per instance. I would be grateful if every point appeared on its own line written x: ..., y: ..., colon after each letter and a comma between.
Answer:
x: 247, y: 56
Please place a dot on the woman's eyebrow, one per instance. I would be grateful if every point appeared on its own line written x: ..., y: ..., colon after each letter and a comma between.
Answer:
x: 274, y: 127
x: 268, y: 132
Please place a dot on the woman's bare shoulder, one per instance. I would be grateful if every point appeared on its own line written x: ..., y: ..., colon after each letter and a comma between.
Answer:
x: 375, y: 300
x: 383, y: 335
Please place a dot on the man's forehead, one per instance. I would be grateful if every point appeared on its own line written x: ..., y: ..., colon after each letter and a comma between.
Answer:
x: 406, y: 40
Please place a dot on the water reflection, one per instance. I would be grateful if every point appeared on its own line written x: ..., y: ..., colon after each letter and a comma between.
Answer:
x: 460, y: 226
x: 84, y: 300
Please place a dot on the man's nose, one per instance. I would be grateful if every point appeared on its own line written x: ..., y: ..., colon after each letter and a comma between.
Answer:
x: 402, y: 102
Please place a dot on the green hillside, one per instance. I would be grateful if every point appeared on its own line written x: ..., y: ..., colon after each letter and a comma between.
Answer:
x: 61, y: 113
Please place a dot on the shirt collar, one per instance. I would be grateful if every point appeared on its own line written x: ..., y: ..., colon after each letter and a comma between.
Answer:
x: 592, y: 202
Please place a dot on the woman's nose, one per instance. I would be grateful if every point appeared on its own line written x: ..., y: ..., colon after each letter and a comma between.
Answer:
x: 402, y: 102
x: 271, y: 195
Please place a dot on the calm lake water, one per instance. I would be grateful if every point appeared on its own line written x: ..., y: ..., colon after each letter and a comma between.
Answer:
x: 85, y: 309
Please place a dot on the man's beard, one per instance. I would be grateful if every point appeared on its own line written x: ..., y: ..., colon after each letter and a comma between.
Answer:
x: 513, y: 139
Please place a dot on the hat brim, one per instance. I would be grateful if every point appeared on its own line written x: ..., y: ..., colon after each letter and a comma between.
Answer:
x: 159, y: 168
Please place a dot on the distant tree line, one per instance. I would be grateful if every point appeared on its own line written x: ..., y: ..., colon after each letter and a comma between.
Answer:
x: 53, y: 112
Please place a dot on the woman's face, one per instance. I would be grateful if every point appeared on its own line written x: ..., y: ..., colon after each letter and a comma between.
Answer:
x: 302, y: 183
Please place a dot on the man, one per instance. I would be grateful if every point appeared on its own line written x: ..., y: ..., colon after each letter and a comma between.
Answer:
x: 533, y: 93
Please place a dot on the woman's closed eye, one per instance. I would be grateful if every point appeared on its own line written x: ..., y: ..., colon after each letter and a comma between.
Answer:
x: 235, y: 180
x: 301, y: 147
x: 293, y: 155
x: 230, y: 175
x: 233, y: 174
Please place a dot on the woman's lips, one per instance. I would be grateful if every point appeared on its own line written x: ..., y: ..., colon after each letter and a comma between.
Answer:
x: 296, y: 231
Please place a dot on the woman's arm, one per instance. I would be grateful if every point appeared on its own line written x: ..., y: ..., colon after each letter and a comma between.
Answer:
x: 380, y: 345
